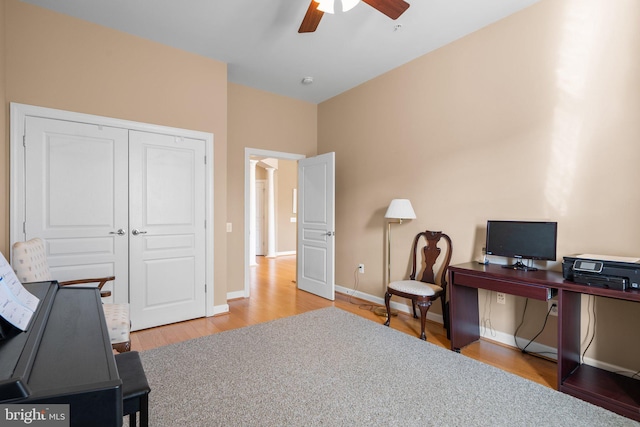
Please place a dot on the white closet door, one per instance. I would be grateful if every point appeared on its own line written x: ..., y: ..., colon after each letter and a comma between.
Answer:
x: 77, y: 197
x: 167, y: 228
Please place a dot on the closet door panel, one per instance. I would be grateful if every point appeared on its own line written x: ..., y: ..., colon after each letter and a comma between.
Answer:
x: 167, y: 236
x: 77, y: 199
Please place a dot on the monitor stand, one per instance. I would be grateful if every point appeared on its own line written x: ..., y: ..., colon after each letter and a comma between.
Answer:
x: 520, y: 266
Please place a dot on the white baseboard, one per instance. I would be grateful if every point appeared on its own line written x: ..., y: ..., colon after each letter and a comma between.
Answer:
x: 508, y: 340
x: 496, y: 336
x: 403, y: 307
x: 284, y: 253
x: 224, y: 308
x: 235, y: 295
x: 220, y: 309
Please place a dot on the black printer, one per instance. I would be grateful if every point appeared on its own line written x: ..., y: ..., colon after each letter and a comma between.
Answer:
x: 602, y: 271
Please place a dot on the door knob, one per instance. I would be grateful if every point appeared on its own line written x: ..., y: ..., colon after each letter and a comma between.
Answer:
x: 120, y: 232
x: 135, y: 232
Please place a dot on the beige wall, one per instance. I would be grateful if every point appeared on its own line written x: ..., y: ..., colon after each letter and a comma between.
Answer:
x: 287, y: 176
x: 56, y: 61
x: 534, y: 117
x: 265, y: 121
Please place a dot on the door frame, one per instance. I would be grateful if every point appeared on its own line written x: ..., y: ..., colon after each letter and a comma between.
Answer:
x: 261, y: 208
x: 17, y: 188
x: 248, y: 153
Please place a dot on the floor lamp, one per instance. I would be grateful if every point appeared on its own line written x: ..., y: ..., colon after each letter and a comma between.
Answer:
x: 399, y: 209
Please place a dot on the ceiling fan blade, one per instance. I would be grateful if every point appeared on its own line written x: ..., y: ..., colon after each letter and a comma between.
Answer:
x: 311, y: 18
x: 392, y: 8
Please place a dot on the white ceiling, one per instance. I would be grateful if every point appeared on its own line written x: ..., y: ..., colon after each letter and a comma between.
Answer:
x: 259, y: 39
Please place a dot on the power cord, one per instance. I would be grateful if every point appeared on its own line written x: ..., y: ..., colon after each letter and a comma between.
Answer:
x: 515, y: 334
x: 591, y: 302
x: 546, y: 318
x: 356, y: 283
x: 486, y: 319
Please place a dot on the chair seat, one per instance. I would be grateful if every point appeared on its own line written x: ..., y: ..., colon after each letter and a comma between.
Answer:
x: 415, y: 287
x: 117, y: 317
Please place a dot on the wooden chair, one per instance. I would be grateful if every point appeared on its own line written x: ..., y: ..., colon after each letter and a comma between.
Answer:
x: 30, y: 264
x: 422, y: 290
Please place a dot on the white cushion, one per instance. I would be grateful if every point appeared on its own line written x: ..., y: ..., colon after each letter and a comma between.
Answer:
x: 30, y: 261
x: 117, y: 317
x: 415, y: 287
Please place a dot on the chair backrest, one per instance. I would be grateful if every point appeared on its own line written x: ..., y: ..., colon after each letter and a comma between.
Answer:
x: 30, y: 261
x: 430, y: 253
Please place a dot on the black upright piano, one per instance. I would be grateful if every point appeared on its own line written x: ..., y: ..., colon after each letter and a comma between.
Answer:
x: 64, y: 357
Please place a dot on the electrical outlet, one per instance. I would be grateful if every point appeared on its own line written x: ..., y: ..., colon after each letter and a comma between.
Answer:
x: 361, y: 268
x: 552, y: 307
x: 501, y: 298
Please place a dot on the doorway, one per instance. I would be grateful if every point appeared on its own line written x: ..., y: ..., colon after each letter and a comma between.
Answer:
x: 285, y: 213
x: 315, y: 228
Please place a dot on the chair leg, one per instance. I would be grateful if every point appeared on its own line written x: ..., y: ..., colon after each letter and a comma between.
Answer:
x: 387, y: 303
x: 122, y: 347
x: 413, y: 305
x: 445, y: 315
x: 424, y: 308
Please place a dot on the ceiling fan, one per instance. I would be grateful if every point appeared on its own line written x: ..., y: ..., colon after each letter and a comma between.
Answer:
x: 392, y: 8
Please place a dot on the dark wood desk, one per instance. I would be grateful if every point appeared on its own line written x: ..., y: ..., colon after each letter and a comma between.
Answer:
x: 466, y: 279
x: 615, y: 392
x: 609, y: 390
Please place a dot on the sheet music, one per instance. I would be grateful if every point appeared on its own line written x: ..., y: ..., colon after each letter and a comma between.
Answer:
x: 17, y: 305
x: 11, y: 309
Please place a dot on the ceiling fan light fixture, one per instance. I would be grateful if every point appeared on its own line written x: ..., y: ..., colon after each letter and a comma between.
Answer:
x: 327, y: 6
x: 349, y: 4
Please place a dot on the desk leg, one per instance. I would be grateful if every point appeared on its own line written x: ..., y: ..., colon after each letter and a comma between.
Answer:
x: 465, y: 328
x: 568, y: 333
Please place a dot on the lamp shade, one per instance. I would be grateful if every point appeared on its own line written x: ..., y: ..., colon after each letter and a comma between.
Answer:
x: 400, y: 209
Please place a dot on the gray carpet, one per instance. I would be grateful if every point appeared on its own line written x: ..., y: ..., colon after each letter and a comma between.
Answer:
x: 330, y: 367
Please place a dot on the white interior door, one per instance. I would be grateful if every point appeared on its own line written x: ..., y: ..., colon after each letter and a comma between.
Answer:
x: 76, y: 199
x: 167, y: 221
x: 316, y: 225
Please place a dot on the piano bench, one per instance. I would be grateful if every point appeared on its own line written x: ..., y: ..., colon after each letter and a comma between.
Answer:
x: 135, y: 388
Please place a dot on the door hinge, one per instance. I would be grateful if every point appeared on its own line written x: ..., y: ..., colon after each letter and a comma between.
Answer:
x: 205, y: 288
x: 24, y: 227
x: 205, y: 160
x: 24, y: 140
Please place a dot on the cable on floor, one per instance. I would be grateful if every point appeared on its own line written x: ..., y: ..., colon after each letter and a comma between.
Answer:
x: 524, y: 349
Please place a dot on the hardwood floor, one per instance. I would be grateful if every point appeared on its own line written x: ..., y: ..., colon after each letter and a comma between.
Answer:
x: 274, y: 295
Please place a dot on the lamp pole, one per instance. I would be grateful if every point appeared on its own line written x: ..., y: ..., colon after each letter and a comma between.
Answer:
x: 399, y: 209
